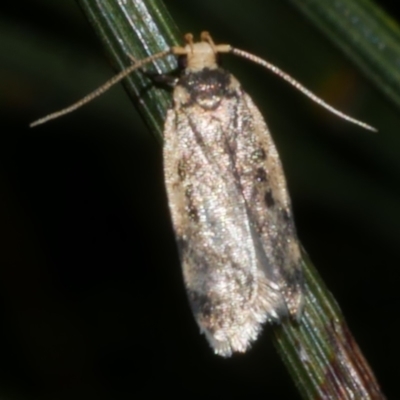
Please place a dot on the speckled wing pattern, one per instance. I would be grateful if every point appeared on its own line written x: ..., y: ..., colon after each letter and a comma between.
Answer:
x: 230, y: 210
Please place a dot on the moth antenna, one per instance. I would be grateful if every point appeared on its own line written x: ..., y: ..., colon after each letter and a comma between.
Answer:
x: 99, y: 91
x: 300, y: 87
x: 133, y: 59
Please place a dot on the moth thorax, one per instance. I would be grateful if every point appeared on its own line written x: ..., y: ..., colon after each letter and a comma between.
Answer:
x: 199, y: 56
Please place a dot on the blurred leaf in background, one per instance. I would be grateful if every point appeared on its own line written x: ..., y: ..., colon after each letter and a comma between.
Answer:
x: 92, y: 300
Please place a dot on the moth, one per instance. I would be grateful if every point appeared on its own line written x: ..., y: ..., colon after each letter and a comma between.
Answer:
x: 228, y: 198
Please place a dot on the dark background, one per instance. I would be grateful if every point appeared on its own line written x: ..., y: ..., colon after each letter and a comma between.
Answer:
x: 92, y: 301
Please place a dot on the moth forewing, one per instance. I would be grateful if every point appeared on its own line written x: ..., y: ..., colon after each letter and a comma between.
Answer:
x: 228, y: 198
x: 230, y: 208
x: 265, y: 191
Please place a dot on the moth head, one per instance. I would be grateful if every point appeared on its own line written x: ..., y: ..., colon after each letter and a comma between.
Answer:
x: 200, y: 55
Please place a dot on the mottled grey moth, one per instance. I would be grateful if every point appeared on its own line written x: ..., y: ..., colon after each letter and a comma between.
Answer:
x: 228, y: 199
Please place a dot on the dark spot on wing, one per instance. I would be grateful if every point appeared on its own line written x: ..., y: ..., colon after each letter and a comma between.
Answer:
x: 261, y: 175
x: 182, y: 243
x: 285, y: 215
x: 258, y: 155
x: 201, y: 304
x: 193, y: 213
x: 182, y: 169
x: 269, y: 199
x: 190, y: 206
